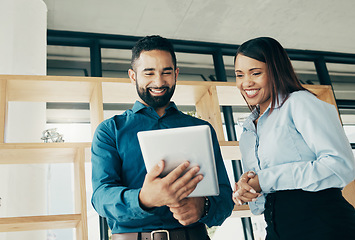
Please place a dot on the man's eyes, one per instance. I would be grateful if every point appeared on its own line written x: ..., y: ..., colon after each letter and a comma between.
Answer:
x: 151, y: 73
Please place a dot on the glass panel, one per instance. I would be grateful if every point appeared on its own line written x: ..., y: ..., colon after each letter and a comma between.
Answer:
x: 195, y: 67
x: 55, y: 234
x: 229, y: 66
x: 343, y: 80
x: 93, y: 217
x: 36, y: 189
x: 232, y: 226
x: 68, y: 61
x: 259, y: 226
x: 306, y: 72
x: 240, y: 113
x: 350, y: 132
x: 115, y: 62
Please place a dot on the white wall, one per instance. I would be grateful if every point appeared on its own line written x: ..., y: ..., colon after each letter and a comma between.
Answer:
x: 23, y: 51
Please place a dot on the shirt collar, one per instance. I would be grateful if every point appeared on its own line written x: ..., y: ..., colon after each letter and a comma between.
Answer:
x: 249, y: 122
x: 139, y: 106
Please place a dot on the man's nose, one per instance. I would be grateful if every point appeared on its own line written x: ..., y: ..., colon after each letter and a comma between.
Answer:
x: 159, y: 80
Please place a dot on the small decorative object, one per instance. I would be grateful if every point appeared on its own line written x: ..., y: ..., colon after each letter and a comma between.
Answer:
x: 51, y: 135
x: 51, y: 235
x: 193, y: 114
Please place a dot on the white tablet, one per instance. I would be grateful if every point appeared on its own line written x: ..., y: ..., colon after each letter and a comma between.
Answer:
x: 176, y: 145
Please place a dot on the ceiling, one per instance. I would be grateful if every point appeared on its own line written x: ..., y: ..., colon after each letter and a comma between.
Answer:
x: 325, y: 25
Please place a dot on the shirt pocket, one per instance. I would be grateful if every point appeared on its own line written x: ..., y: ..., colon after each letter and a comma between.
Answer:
x: 277, y: 147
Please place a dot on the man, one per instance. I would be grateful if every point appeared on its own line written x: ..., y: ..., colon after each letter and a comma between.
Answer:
x: 135, y: 203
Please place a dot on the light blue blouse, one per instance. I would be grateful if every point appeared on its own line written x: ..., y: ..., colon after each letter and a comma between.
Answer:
x: 300, y: 145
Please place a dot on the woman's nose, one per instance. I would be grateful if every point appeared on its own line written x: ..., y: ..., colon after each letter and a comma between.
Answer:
x: 247, y: 83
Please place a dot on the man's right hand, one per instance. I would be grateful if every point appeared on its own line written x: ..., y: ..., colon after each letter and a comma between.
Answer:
x: 172, y: 188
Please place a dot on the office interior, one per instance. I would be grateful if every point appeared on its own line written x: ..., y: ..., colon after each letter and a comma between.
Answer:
x: 93, y: 39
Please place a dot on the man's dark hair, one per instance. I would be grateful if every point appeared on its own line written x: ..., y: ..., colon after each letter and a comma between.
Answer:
x: 154, y: 42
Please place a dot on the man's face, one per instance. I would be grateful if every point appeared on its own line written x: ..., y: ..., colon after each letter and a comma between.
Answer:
x: 155, y: 78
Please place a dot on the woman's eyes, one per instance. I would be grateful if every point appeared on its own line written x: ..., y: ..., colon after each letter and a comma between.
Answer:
x: 238, y: 75
x: 242, y: 75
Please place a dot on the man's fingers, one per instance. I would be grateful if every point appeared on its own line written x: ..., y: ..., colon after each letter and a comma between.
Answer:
x: 183, y: 189
x: 156, y: 170
x: 189, y: 211
x: 178, y: 204
x: 186, y: 180
x: 176, y: 173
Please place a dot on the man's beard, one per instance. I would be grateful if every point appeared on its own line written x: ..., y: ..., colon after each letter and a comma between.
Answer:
x: 155, y: 101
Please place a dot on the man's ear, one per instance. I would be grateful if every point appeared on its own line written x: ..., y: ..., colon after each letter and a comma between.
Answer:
x: 176, y: 73
x: 132, y: 76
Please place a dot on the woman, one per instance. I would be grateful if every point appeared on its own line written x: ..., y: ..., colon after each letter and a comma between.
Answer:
x: 295, y: 152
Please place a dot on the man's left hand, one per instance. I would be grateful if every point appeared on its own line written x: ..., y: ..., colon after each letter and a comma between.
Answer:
x: 188, y: 210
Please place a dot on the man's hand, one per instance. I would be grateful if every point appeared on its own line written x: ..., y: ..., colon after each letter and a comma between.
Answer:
x: 188, y: 210
x: 247, y: 189
x: 169, y: 190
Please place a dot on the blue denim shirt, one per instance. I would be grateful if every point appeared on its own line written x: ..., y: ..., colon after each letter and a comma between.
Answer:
x: 300, y: 145
x: 118, y: 171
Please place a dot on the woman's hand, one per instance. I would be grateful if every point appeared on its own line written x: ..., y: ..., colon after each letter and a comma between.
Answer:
x: 247, y: 189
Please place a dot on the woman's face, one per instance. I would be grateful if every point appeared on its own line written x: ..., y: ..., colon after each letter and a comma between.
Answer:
x: 252, y: 81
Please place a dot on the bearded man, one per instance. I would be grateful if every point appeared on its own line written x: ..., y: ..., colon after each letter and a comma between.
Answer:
x: 140, y: 205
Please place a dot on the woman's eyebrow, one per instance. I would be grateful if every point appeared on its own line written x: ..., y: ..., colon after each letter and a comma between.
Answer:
x: 252, y: 69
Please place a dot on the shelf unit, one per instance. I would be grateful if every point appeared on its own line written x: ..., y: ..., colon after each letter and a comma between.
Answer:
x: 207, y: 97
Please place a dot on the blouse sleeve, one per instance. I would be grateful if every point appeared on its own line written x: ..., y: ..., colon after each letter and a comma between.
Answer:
x: 319, y: 124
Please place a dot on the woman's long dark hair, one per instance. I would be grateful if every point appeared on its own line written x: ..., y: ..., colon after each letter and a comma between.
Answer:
x: 281, y: 75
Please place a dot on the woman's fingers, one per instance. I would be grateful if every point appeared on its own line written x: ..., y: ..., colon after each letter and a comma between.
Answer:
x: 243, y: 191
x: 244, y: 185
x: 237, y: 201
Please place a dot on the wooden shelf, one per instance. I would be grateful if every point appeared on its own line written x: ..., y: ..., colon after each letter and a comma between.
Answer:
x: 15, y: 224
x: 241, y: 211
x: 230, y: 150
x: 48, y: 89
x: 39, y: 153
